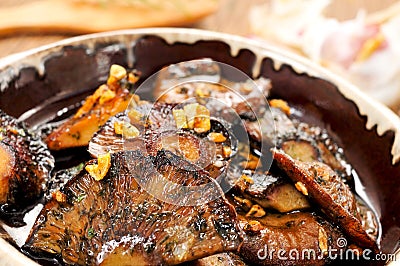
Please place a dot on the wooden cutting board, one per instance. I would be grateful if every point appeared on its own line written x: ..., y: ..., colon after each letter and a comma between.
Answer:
x: 85, y: 16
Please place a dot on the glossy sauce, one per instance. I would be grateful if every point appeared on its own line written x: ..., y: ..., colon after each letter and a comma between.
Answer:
x: 75, y: 157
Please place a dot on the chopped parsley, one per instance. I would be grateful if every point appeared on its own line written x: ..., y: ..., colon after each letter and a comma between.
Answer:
x: 91, y: 233
x: 80, y: 197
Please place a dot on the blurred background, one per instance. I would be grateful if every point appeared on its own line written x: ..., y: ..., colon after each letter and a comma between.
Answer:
x: 358, y: 39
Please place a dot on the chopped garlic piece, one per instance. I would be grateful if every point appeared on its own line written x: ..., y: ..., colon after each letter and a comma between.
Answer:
x: 281, y: 104
x: 60, y: 197
x: 256, y: 211
x: 107, y: 96
x: 118, y: 128
x: 253, y: 226
x: 202, y: 91
x: 302, y: 188
x: 247, y: 179
x: 322, y: 240
x: 226, y: 151
x: 216, y: 137
x: 190, y: 112
x: 130, y: 131
x: 246, y: 204
x: 133, y: 77
x: 180, y: 118
x: 218, y: 164
x: 202, y: 122
x: 126, y: 129
x: 135, y: 116
x: 98, y: 171
x: 118, y: 72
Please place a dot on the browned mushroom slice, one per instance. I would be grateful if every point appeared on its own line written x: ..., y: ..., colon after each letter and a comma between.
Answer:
x: 108, y: 139
x: 271, y: 191
x: 327, y: 151
x: 292, y: 239
x: 152, y: 127
x: 299, y: 140
x: 173, y: 83
x: 309, y: 149
x: 271, y: 128
x: 25, y: 163
x: 244, y: 98
x: 202, y: 80
x: 227, y: 96
x: 115, y: 221
x: 223, y: 259
x: 127, y: 129
x: 153, y: 115
x: 135, y: 122
x: 174, y: 74
x: 300, y: 150
x: 369, y: 219
x: 108, y: 100
x: 318, y: 181
x: 313, y: 150
x: 329, y: 158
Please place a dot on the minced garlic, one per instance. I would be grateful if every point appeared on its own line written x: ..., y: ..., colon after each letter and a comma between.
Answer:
x: 247, y: 179
x: 253, y: 226
x: 245, y: 203
x: 256, y: 211
x: 190, y: 112
x: 216, y: 137
x: 197, y: 118
x: 180, y: 118
x: 322, y: 240
x: 226, y: 151
x: 281, y: 104
x: 202, y: 122
x: 302, y: 188
x: 126, y: 129
x: 98, y: 171
x: 133, y: 77
x: 60, y: 197
x: 135, y: 116
x: 117, y: 71
x: 107, y: 96
x: 202, y: 92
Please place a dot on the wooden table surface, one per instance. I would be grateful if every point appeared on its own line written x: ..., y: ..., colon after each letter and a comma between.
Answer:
x: 232, y: 17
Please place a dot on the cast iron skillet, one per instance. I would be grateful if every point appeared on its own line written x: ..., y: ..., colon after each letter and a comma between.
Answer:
x: 36, y: 85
